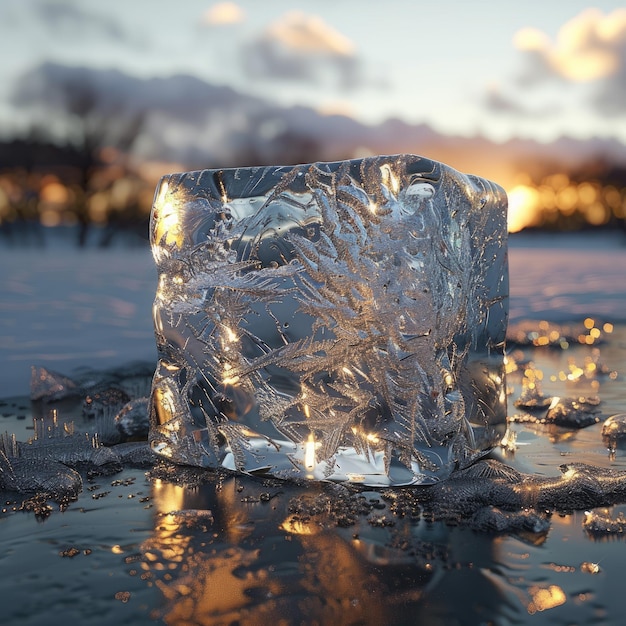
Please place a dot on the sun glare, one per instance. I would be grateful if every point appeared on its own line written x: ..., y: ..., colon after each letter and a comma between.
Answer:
x: 523, y: 207
x: 556, y: 199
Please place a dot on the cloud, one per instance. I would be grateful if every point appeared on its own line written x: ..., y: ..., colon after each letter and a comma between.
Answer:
x: 223, y: 13
x: 71, y: 18
x: 498, y: 102
x: 182, y: 117
x: 56, y: 87
x: 198, y: 124
x: 590, y: 48
x: 302, y: 47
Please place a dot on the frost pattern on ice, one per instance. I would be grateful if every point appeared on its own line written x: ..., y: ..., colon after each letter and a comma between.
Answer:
x: 335, y: 320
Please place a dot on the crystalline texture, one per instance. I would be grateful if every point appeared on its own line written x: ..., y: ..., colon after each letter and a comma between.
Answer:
x: 340, y: 321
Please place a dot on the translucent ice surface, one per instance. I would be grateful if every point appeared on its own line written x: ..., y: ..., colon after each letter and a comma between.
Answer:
x: 340, y: 321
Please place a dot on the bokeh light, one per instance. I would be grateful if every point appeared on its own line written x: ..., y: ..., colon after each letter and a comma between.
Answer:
x: 558, y: 203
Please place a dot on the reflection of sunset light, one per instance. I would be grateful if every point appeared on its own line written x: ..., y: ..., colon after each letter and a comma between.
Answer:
x: 167, y: 218
x: 227, y: 377
x: 231, y: 335
x: 389, y: 178
x: 298, y: 527
x: 168, y: 497
x: 510, y: 365
x: 309, y: 452
x: 546, y: 598
x: 169, y: 225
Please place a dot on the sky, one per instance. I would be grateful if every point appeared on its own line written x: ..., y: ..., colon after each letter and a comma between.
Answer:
x: 537, y: 69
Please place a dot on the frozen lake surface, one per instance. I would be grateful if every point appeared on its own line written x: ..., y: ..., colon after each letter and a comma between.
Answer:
x: 137, y: 551
x: 62, y: 307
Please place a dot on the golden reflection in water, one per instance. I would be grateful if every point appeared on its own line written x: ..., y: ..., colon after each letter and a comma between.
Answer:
x: 544, y: 598
x: 236, y: 559
x: 240, y: 550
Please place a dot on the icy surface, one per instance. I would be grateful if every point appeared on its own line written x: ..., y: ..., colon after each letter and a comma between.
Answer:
x: 339, y: 321
x: 63, y: 307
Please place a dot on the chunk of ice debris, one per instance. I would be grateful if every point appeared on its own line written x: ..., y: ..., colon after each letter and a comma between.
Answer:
x: 48, y: 385
x: 532, y: 397
x: 614, y: 432
x: 614, y: 427
x: 573, y: 412
x: 341, y: 321
x: 132, y: 421
x: 599, y: 523
x: 32, y: 475
x: 104, y: 403
x: 578, y: 412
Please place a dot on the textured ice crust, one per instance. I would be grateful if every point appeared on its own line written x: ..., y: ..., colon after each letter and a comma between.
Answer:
x: 340, y: 321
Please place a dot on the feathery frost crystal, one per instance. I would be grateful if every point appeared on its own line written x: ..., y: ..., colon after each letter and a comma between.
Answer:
x: 340, y: 321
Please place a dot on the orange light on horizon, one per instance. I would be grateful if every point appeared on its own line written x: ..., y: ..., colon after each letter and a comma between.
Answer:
x: 556, y: 196
x: 524, y: 207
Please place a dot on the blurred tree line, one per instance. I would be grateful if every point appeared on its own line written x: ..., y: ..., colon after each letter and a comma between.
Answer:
x: 84, y: 179
x: 86, y: 176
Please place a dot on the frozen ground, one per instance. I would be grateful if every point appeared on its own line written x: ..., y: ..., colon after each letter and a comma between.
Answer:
x: 62, y: 307
x: 565, y: 277
x: 133, y: 551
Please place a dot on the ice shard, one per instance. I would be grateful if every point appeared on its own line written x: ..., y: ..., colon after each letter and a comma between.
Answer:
x: 334, y: 321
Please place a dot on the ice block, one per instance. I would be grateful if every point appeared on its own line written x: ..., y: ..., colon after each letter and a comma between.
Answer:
x: 336, y: 321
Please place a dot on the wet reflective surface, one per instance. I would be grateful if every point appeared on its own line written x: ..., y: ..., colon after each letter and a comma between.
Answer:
x: 215, y: 549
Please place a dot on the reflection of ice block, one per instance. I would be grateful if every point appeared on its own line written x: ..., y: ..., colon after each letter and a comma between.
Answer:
x: 339, y: 321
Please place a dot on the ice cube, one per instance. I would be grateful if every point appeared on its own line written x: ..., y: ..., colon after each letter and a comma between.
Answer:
x: 340, y: 321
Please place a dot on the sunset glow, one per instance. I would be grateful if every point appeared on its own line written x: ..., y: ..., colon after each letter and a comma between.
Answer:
x: 89, y: 130
x: 587, y: 47
x: 523, y: 207
x: 556, y: 198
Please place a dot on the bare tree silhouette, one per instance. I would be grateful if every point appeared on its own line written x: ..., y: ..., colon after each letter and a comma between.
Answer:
x: 78, y: 114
